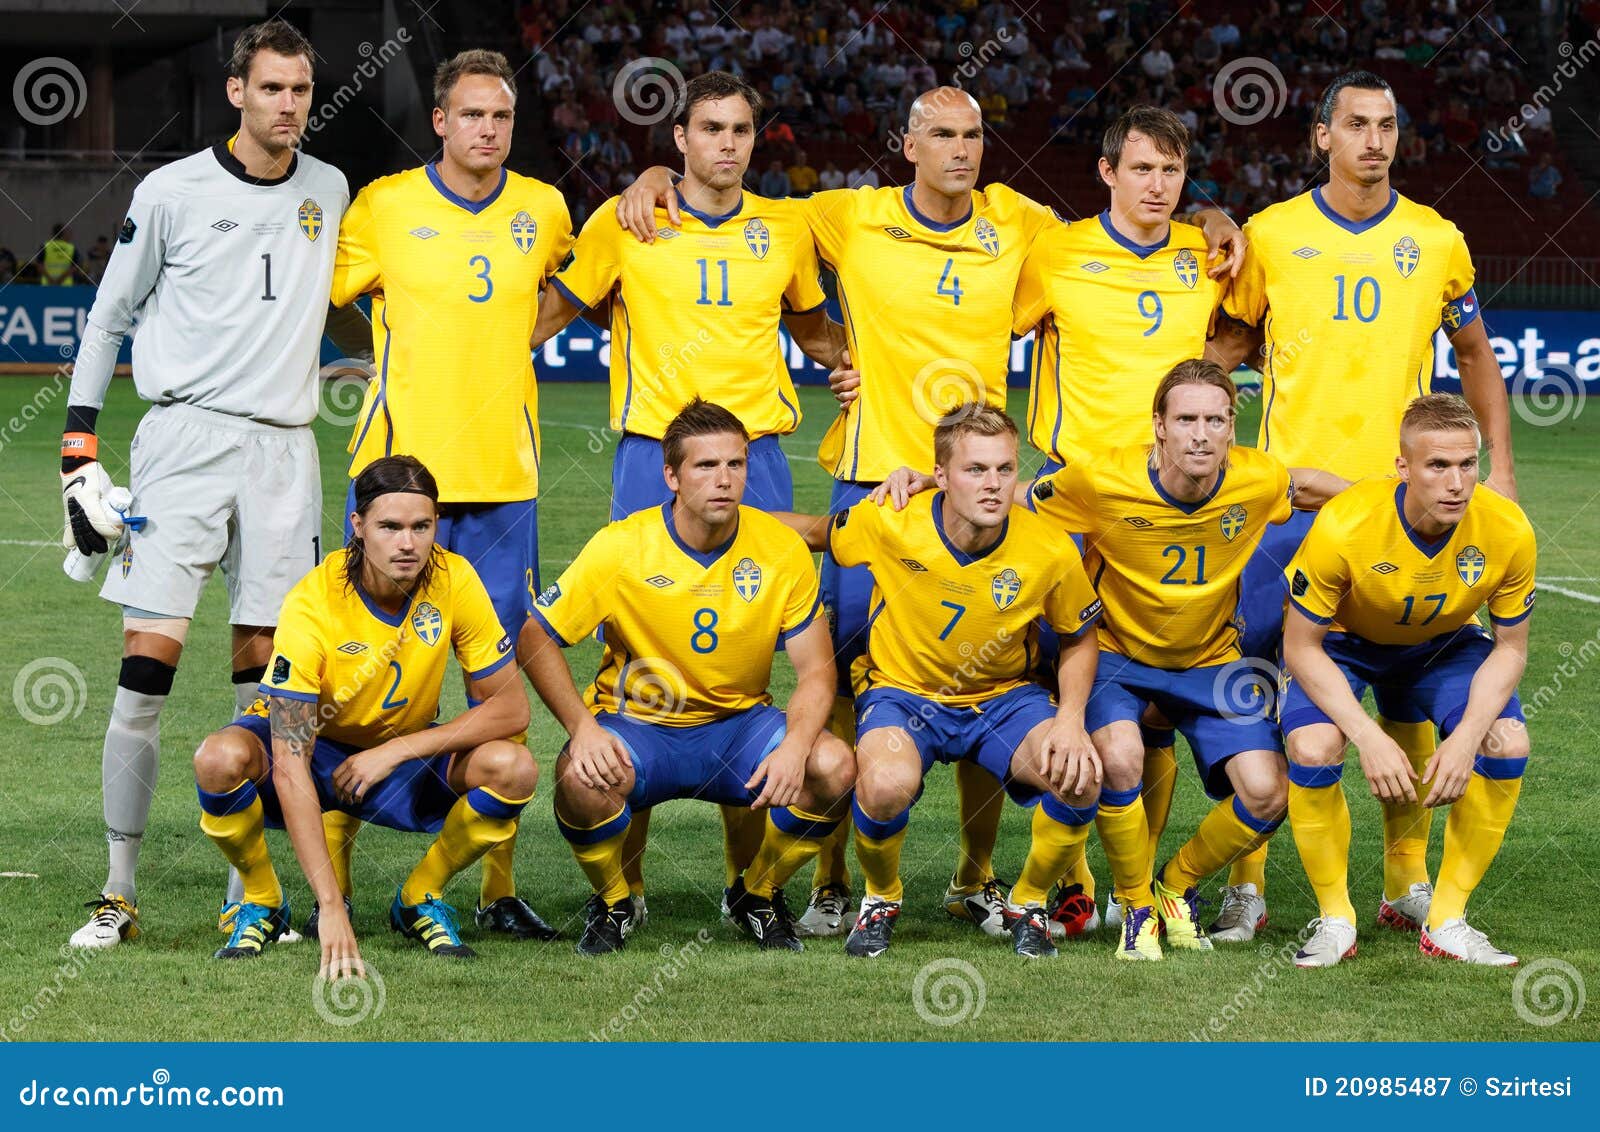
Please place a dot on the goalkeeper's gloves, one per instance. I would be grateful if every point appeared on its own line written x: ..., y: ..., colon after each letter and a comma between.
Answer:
x: 91, y: 523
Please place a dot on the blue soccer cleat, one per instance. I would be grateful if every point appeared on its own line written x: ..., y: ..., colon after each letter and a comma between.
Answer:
x: 254, y: 926
x: 431, y: 923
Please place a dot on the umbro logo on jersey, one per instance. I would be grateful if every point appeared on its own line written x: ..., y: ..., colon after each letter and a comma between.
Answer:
x: 913, y: 564
x: 225, y: 225
x: 1385, y: 568
x: 660, y: 581
x: 898, y: 233
x: 1095, y: 267
x: 1306, y: 253
x: 666, y: 233
x: 351, y: 648
x: 424, y: 233
x: 1137, y: 521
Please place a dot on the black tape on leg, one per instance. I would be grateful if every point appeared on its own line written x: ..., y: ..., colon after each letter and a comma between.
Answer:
x: 146, y: 675
x: 249, y: 675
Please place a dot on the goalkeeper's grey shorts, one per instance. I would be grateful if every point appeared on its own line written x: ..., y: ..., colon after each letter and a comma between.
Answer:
x: 217, y: 490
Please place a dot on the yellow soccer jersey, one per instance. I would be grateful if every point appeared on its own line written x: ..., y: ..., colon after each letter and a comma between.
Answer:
x: 378, y: 675
x: 696, y: 313
x: 927, y: 311
x: 1364, y: 570
x: 1113, y: 317
x: 456, y: 293
x: 1349, y: 312
x: 949, y: 626
x: 1167, y: 571
x: 689, y: 636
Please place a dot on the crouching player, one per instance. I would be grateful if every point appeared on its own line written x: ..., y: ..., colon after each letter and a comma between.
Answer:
x: 1168, y: 529
x: 1384, y: 594
x: 693, y: 598
x: 960, y: 577
x: 346, y: 723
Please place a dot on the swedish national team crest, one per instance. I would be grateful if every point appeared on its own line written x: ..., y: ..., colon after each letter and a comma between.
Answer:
x: 1005, y: 587
x: 1406, y: 256
x: 757, y: 238
x: 988, y: 238
x: 1469, y: 565
x: 1187, y: 267
x: 428, y: 622
x: 524, y: 231
x: 747, y: 579
x: 310, y: 216
x: 1232, y: 521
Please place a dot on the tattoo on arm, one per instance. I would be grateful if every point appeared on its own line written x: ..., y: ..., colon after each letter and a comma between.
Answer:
x: 294, y: 723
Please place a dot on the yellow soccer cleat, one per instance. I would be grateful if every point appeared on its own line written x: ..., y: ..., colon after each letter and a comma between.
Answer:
x: 1140, y: 935
x: 1179, y: 920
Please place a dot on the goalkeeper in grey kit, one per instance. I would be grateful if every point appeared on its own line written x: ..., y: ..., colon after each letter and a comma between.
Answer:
x: 222, y: 269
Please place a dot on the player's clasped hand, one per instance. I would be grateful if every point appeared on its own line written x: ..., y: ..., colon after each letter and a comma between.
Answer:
x: 780, y: 776
x: 1068, y: 759
x: 598, y: 757
x: 361, y: 772
x: 1448, y: 772
x: 844, y: 381
x: 1389, y: 773
x: 341, y: 958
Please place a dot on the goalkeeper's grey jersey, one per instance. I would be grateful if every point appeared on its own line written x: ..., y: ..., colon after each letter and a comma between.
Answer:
x: 223, y: 279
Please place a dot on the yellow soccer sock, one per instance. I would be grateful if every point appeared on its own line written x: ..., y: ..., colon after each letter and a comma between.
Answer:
x: 744, y: 831
x: 236, y: 823
x: 1078, y: 871
x: 633, y: 851
x: 982, y: 804
x: 1251, y: 868
x: 1472, y: 836
x: 1320, y: 818
x: 832, y: 867
x: 792, y: 836
x: 1125, y: 837
x: 1406, y: 825
x: 480, y: 820
x: 1160, y: 782
x: 599, y: 849
x: 339, y: 830
x: 878, y: 845
x: 1059, y: 833
x: 498, y: 879
x: 1227, y: 833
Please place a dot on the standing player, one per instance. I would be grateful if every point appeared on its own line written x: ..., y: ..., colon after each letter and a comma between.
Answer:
x: 962, y: 576
x: 697, y: 316
x: 455, y: 254
x: 1385, y: 590
x: 680, y: 707
x: 926, y: 277
x: 348, y: 722
x: 1348, y: 283
x: 224, y: 260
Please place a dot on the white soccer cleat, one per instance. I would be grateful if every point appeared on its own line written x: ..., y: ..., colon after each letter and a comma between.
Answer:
x: 1243, y: 913
x: 112, y: 921
x: 639, y: 915
x: 825, y: 912
x: 986, y: 907
x: 1334, y: 939
x: 1409, y: 912
x: 1457, y: 939
x: 1113, y: 916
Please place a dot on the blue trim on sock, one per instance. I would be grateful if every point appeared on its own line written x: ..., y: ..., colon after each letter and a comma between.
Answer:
x: 1251, y: 820
x: 598, y: 834
x: 879, y: 830
x: 1499, y: 769
x: 1120, y: 797
x: 490, y: 806
x: 234, y: 801
x: 1069, y: 815
x: 796, y: 826
x: 1315, y: 776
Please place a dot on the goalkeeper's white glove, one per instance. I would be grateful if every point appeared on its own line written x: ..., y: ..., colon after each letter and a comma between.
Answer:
x: 91, y: 523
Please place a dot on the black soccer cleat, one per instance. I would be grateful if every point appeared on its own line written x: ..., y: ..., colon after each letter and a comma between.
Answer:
x: 310, y: 930
x: 870, y: 937
x: 431, y: 923
x: 1030, y: 933
x: 605, y: 926
x: 511, y: 915
x: 766, y: 921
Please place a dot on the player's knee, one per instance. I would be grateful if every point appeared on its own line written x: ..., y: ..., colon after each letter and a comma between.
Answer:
x: 223, y: 760
x: 1507, y: 739
x: 509, y: 769
x: 1319, y: 744
x: 1079, y: 799
x: 883, y: 792
x: 1266, y: 797
x: 832, y: 766
x: 1122, y: 757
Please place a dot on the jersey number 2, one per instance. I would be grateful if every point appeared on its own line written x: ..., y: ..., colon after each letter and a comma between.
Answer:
x: 389, y: 701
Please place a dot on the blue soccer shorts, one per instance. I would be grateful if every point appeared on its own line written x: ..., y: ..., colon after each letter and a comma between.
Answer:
x: 637, y: 483
x: 846, y: 591
x: 1264, y: 589
x: 709, y: 761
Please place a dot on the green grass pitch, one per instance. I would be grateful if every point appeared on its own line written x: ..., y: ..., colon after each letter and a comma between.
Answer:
x: 688, y: 976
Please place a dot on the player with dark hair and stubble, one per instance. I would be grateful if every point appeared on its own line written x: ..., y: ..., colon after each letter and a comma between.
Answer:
x: 224, y: 261
x: 457, y: 252
x: 698, y: 316
x: 1345, y: 286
